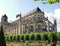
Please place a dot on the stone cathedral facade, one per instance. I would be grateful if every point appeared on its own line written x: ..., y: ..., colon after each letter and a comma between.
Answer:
x: 32, y: 22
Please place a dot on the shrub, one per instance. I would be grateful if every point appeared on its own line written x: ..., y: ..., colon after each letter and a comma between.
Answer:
x: 18, y: 38
x: 7, y: 38
x: 58, y: 36
x: 45, y: 37
x: 22, y: 37
x: 53, y: 39
x: 11, y: 38
x: 41, y: 34
x: 54, y: 36
x: 31, y: 36
x: 14, y: 38
x: 26, y: 37
x: 37, y: 36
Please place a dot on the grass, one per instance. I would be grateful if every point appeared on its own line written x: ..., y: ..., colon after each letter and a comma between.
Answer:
x: 29, y: 44
x: 24, y: 44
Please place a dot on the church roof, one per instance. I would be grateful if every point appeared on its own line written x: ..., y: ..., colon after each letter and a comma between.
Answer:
x: 37, y: 9
x: 34, y: 10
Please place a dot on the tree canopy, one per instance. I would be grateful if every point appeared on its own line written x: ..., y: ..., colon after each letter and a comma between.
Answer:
x: 48, y: 1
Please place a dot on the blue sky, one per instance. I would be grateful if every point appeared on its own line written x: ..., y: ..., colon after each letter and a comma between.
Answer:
x: 13, y: 7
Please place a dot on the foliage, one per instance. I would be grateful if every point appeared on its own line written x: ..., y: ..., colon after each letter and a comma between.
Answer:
x: 58, y: 36
x: 37, y: 36
x: 11, y: 38
x: 7, y: 38
x: 22, y: 37
x: 45, y: 37
x: 2, y: 38
x: 14, y: 37
x: 54, y: 37
x: 48, y: 1
x: 31, y: 36
x: 18, y: 38
x: 53, y: 1
x: 26, y: 37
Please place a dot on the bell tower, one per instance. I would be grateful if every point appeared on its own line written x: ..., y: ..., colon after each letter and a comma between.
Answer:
x: 4, y: 19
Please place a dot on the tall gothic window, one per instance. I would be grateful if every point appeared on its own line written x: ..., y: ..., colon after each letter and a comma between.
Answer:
x: 39, y: 19
x: 39, y: 26
x: 44, y: 28
x: 31, y: 28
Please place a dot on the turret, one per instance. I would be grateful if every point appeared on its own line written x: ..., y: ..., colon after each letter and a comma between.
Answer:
x: 55, y: 25
x: 4, y: 19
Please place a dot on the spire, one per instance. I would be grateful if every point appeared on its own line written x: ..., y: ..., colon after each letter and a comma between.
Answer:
x: 18, y: 15
x: 55, y: 22
x: 38, y: 9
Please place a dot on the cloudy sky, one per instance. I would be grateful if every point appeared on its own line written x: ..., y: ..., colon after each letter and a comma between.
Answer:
x: 13, y: 7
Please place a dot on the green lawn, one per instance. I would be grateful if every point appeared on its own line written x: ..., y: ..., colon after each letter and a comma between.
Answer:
x: 24, y: 44
x: 30, y: 44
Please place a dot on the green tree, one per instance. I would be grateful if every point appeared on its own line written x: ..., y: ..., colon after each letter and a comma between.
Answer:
x: 2, y: 38
x: 49, y: 1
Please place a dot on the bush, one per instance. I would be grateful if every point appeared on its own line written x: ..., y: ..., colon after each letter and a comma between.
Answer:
x: 41, y: 34
x: 22, y: 37
x: 26, y: 37
x: 18, y: 38
x: 7, y: 38
x: 14, y: 38
x: 45, y: 37
x: 54, y: 37
x: 31, y: 36
x: 37, y: 36
x: 58, y: 36
x: 11, y: 38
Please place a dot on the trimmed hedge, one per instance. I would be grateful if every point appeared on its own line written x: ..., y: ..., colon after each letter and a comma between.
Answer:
x: 22, y: 37
x: 58, y: 36
x: 18, y: 38
x: 36, y: 36
x: 31, y: 36
x: 26, y: 37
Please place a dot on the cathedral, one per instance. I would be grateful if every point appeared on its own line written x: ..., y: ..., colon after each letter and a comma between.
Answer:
x: 33, y: 21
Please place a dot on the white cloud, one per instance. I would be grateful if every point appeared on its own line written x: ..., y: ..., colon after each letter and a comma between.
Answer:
x: 57, y: 13
x: 54, y: 15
